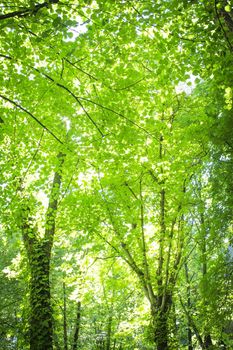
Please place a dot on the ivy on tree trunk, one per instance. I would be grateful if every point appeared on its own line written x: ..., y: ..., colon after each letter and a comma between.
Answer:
x: 39, y: 256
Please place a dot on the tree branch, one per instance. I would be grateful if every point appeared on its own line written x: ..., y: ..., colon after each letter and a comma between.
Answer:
x: 53, y: 205
x: 222, y: 28
x: 28, y: 11
x: 119, y: 115
x: 32, y: 116
x: 77, y: 99
x: 144, y: 250
x: 192, y: 324
x: 127, y: 256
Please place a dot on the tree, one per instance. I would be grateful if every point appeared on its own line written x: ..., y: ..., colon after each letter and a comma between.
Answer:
x: 39, y: 256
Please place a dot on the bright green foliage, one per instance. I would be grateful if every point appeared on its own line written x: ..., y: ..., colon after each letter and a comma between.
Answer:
x: 116, y: 157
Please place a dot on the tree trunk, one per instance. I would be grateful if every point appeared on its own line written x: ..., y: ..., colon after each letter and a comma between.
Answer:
x: 190, y: 345
x: 65, y: 318
x: 188, y: 291
x: 109, y: 332
x: 207, y: 337
x: 208, y: 341
x: 39, y: 256
x: 77, y: 326
x: 41, y: 323
x: 161, y: 331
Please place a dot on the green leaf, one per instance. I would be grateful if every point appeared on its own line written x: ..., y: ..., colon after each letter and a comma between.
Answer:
x: 227, y: 8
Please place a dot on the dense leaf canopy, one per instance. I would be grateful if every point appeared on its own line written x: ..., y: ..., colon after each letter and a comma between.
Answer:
x: 116, y: 187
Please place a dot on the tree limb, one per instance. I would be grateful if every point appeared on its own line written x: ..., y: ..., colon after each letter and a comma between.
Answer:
x: 28, y: 11
x: 192, y: 324
x: 53, y: 205
x: 32, y: 116
x: 144, y: 250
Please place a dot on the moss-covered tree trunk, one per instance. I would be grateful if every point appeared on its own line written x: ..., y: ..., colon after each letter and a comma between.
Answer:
x: 160, y: 311
x: 41, y: 325
x: 161, y: 331
x: 39, y: 256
